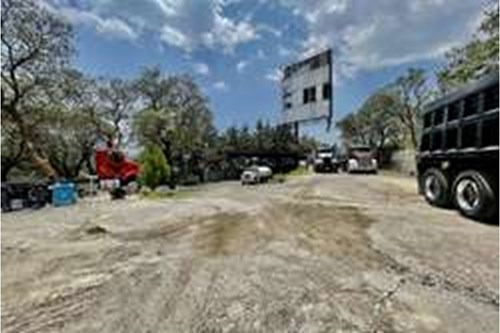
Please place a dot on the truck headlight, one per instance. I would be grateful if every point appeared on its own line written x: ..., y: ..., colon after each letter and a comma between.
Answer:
x: 353, y: 164
x: 374, y: 163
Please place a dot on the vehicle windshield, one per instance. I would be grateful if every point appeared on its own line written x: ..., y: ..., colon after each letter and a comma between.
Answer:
x: 361, y: 149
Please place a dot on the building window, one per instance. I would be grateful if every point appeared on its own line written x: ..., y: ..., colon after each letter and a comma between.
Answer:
x: 327, y: 91
x: 309, y: 95
x: 312, y: 94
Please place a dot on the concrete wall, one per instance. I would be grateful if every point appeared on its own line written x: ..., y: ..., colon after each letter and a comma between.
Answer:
x: 404, y: 161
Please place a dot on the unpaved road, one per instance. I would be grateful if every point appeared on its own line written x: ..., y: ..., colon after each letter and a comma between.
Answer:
x: 322, y: 253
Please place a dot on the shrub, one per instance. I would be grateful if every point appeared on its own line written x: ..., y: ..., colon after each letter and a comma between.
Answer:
x: 155, y: 169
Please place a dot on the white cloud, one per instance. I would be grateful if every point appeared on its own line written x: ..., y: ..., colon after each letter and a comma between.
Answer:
x: 283, y: 51
x: 220, y: 85
x: 175, y: 37
x: 180, y: 23
x: 269, y: 29
x: 114, y: 27
x: 227, y: 33
x: 240, y: 66
x: 367, y: 35
x: 275, y: 75
x: 108, y: 27
x: 201, y: 68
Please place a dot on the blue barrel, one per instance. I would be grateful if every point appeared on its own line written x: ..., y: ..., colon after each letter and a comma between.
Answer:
x: 63, y: 194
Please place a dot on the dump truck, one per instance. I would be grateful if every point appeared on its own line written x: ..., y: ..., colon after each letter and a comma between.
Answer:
x: 116, y: 173
x: 457, y: 159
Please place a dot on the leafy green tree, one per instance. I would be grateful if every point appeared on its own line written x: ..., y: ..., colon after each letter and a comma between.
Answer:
x: 155, y: 170
x: 477, y: 57
x: 176, y: 117
x: 379, y: 116
x: 116, y: 102
x: 376, y: 123
x: 13, y: 148
x: 352, y: 130
x: 68, y: 140
x: 414, y: 93
x: 70, y: 126
x: 35, y: 45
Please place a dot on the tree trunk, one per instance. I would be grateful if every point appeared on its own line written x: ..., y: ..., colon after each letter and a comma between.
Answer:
x: 40, y: 162
x: 413, y: 138
x: 43, y: 164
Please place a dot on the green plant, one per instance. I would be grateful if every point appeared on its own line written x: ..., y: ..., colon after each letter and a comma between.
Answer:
x: 155, y: 169
x: 299, y: 171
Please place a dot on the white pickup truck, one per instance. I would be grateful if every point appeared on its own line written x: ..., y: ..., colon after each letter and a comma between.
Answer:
x: 256, y: 175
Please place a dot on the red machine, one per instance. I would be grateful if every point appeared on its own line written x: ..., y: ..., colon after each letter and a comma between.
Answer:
x: 116, y: 173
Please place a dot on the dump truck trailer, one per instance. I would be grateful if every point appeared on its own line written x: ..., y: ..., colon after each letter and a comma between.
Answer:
x: 457, y: 160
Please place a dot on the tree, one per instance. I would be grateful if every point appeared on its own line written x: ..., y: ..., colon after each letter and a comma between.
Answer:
x: 414, y: 92
x: 377, y: 122
x: 352, y: 130
x: 378, y: 116
x: 152, y: 87
x: 68, y: 141
x: 69, y: 128
x: 155, y: 169
x: 117, y: 99
x: 176, y: 117
x: 35, y: 46
x: 13, y: 148
x: 477, y: 57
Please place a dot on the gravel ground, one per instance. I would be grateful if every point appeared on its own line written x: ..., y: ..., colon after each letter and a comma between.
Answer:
x: 319, y: 253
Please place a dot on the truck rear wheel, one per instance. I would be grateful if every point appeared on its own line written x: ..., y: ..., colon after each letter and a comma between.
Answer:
x: 473, y: 195
x: 118, y: 193
x: 436, y: 188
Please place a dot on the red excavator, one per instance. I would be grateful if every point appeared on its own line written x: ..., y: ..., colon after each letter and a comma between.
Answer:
x: 116, y: 173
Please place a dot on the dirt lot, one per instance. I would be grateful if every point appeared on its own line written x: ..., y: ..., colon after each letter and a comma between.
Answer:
x: 322, y: 253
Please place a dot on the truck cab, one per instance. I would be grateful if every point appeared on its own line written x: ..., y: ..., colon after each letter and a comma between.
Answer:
x: 361, y: 159
x: 457, y: 159
x: 325, y: 161
x: 116, y: 172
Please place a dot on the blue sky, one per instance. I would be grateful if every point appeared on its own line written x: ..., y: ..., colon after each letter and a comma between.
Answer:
x: 233, y: 47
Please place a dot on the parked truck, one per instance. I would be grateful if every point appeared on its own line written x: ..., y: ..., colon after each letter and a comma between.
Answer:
x: 256, y: 174
x: 325, y: 161
x: 362, y: 159
x: 457, y: 159
x: 116, y: 173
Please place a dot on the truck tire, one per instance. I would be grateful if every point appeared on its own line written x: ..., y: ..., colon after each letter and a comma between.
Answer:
x: 436, y: 188
x: 473, y: 195
x: 118, y: 193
